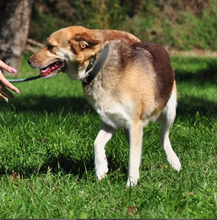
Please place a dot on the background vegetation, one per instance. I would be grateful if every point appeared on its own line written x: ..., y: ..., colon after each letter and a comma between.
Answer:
x: 182, y: 25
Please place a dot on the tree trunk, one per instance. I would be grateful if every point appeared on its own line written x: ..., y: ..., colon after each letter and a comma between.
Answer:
x: 14, y: 28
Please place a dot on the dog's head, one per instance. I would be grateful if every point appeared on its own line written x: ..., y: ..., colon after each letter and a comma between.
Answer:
x: 68, y: 50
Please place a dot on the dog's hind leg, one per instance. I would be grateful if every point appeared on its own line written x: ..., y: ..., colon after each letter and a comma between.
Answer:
x: 166, y: 120
x: 135, y: 138
x: 101, y: 164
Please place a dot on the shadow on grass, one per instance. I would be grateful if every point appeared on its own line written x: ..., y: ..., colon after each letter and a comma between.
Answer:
x: 189, y: 105
x: 186, y: 105
x: 198, y: 75
x: 79, y: 168
x: 62, y: 164
x: 66, y: 165
x: 49, y: 104
x: 201, y: 72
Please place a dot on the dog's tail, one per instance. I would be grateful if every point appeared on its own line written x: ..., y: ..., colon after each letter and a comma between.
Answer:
x: 164, y: 72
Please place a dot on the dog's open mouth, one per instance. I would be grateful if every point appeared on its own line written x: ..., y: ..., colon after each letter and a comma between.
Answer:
x: 52, y: 69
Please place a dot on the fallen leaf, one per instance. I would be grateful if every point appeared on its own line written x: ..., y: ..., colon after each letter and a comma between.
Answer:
x: 14, y: 176
x: 132, y: 210
x: 191, y: 193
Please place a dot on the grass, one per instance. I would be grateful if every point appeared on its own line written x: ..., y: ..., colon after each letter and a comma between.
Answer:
x: 46, y: 153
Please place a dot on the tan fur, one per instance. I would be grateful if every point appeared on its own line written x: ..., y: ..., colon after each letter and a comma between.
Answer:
x: 135, y: 86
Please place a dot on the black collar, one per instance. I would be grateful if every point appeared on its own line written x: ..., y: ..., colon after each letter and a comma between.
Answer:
x: 99, y: 63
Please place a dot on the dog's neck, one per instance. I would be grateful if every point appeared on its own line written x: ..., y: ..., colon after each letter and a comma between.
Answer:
x: 92, y: 69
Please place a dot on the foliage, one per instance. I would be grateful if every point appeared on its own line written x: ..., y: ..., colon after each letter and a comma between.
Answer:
x: 176, y: 24
x: 46, y: 154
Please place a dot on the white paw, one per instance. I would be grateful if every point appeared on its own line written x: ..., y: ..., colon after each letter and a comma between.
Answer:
x: 101, y: 170
x: 174, y: 162
x: 133, y: 179
x: 132, y: 182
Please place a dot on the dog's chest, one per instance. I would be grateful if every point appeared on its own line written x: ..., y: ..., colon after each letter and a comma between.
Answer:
x: 115, y: 116
x: 111, y: 111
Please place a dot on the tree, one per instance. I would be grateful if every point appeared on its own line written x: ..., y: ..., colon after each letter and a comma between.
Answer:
x: 14, y: 28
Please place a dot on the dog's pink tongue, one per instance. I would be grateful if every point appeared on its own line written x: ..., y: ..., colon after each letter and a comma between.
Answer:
x: 45, y: 72
x: 50, y: 69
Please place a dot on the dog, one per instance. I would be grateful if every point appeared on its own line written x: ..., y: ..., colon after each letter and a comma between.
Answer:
x: 127, y: 81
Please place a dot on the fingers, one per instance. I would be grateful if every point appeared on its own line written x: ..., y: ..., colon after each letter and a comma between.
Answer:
x: 5, y: 83
x: 11, y: 86
x: 8, y: 93
x: 4, y: 91
x: 7, y: 68
x: 4, y: 97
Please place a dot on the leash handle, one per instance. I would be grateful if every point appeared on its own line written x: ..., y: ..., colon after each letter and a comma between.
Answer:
x: 24, y: 79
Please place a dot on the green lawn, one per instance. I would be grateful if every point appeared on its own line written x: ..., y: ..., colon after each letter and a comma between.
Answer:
x: 47, y: 136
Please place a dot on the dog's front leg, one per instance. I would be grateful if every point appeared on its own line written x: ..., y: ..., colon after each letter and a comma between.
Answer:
x: 101, y: 164
x: 135, y: 138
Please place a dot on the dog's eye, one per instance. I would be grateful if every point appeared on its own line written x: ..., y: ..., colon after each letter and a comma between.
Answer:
x: 50, y: 47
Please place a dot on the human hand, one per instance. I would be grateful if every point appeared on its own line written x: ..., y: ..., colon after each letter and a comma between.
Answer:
x: 5, y: 84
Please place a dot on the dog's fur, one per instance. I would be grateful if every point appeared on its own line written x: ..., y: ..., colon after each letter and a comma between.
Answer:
x: 135, y: 86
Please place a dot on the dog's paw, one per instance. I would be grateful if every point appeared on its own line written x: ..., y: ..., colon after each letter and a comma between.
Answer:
x: 101, y: 171
x: 174, y: 162
x: 132, y: 182
x: 133, y: 178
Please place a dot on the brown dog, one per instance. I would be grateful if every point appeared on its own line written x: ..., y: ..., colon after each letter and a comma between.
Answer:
x: 128, y: 82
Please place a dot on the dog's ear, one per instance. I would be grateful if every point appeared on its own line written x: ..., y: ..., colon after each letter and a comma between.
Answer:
x: 84, y: 46
x: 86, y: 40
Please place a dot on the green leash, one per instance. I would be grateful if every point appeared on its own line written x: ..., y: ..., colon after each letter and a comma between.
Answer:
x: 23, y: 80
